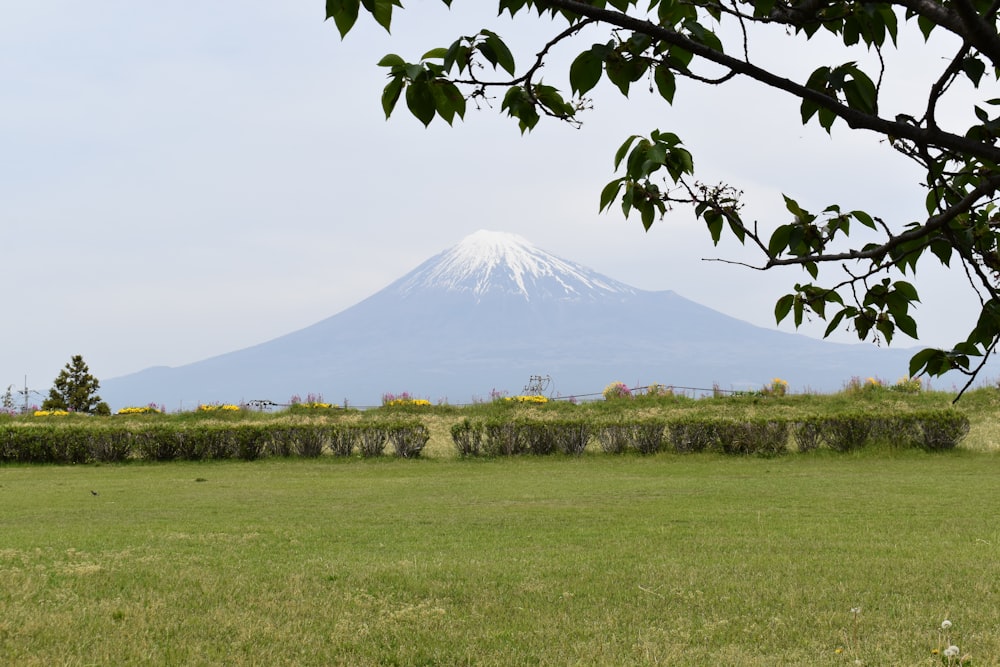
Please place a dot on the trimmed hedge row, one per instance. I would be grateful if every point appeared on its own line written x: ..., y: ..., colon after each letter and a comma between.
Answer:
x: 161, y: 442
x: 929, y: 430
x: 75, y: 443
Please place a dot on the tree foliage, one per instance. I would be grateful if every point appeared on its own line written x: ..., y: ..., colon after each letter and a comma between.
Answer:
x: 657, y: 42
x: 75, y: 389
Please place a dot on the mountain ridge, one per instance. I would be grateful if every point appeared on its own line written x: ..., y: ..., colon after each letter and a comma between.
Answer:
x: 488, y: 313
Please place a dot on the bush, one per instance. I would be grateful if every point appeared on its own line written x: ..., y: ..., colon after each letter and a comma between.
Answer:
x: 207, y: 441
x: 110, y: 445
x: 307, y: 440
x: 616, y: 390
x: 844, y: 433
x: 408, y: 439
x: 468, y: 437
x: 502, y: 438
x: 158, y: 444
x: 647, y: 436
x: 613, y: 438
x: 808, y: 433
x: 766, y: 437
x: 896, y: 430
x: 343, y: 438
x: 692, y: 435
x: 371, y: 439
x: 942, y: 429
x: 249, y: 441
x: 571, y: 436
x: 536, y: 437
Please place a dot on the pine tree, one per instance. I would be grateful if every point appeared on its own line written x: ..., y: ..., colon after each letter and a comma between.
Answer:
x: 75, y: 389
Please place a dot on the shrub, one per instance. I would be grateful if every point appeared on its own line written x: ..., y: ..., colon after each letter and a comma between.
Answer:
x: 371, y: 439
x: 777, y: 387
x: 308, y: 441
x: 502, y: 438
x: 408, y: 439
x: 282, y: 442
x: 613, y: 438
x: 844, y: 433
x: 571, y: 436
x: 646, y: 436
x: 468, y: 437
x: 659, y: 391
x: 895, y: 430
x: 536, y: 437
x: 207, y: 441
x: 158, y: 444
x: 140, y: 410
x: 907, y: 385
x: 110, y: 445
x: 343, y: 438
x: 225, y: 408
x: 616, y: 390
x: 942, y: 429
x: 249, y: 442
x: 808, y: 433
x: 192, y: 444
x: 403, y: 400
x: 766, y: 437
x: 692, y: 435
x: 534, y: 398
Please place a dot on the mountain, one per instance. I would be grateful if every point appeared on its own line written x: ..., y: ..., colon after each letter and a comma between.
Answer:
x: 489, y: 313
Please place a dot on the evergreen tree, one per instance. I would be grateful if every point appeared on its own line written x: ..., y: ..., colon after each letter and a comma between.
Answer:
x: 75, y: 389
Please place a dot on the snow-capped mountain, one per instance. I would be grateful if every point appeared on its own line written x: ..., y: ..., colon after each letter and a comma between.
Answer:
x: 491, y: 263
x: 489, y: 313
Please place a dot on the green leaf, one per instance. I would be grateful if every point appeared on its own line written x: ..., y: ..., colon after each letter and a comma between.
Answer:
x: 974, y: 69
x: 448, y: 100
x: 585, y: 71
x: 834, y: 323
x: 864, y: 219
x: 907, y: 325
x: 381, y: 10
x: 783, y: 307
x: 860, y: 92
x: 610, y: 192
x: 420, y: 100
x: 648, y: 214
x: 666, y: 85
x: 499, y: 54
x: 906, y: 290
x: 922, y: 359
x: 715, y: 222
x: 344, y: 14
x: 439, y: 53
x: 390, y: 95
x: 779, y: 240
x: 623, y: 150
x: 391, y: 60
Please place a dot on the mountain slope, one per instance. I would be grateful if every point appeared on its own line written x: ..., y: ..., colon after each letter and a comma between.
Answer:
x: 488, y: 313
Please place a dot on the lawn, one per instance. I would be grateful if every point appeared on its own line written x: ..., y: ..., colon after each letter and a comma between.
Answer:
x: 809, y: 559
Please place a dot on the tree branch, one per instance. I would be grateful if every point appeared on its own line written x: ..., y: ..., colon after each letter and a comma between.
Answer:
x: 853, y: 117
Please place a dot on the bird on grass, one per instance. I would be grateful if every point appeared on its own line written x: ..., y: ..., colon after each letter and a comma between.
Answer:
x: 94, y: 493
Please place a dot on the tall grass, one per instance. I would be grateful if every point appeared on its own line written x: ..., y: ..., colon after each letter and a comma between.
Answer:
x: 662, y: 560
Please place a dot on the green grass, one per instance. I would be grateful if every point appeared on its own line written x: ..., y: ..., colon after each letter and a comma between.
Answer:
x: 694, y: 560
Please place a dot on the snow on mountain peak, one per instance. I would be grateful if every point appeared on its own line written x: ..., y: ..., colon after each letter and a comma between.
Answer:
x: 498, y: 262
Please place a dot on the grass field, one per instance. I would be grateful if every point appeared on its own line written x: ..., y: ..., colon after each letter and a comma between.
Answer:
x: 809, y: 559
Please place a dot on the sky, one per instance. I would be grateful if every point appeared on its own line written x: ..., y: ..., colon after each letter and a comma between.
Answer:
x: 180, y: 180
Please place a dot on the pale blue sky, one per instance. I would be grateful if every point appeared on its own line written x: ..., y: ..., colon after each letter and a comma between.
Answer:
x: 179, y: 180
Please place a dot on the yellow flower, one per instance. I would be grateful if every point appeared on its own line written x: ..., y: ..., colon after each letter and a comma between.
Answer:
x: 526, y: 399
